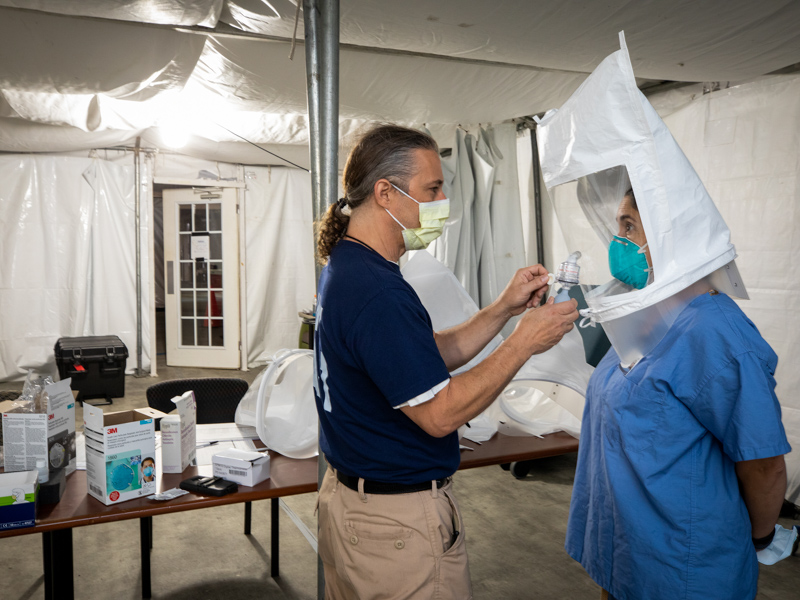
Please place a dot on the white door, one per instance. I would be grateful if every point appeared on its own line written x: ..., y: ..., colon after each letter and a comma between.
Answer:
x: 201, y: 272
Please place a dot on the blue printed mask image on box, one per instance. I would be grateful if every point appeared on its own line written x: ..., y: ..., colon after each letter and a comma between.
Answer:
x: 122, y: 471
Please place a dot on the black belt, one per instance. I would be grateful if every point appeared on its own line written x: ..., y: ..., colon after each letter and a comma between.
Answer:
x: 379, y: 487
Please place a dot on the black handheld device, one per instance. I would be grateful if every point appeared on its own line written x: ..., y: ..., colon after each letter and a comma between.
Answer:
x: 209, y: 486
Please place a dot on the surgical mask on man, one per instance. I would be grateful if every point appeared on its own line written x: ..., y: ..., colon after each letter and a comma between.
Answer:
x: 628, y: 262
x: 148, y: 471
x: 432, y: 216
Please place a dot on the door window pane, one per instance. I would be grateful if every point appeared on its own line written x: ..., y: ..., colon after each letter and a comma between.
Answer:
x: 184, y: 217
x: 187, y: 304
x: 200, y: 217
x: 216, y: 246
x: 216, y: 305
x: 185, y: 247
x: 202, y: 332
x: 215, y: 217
x: 202, y: 274
x: 202, y: 304
x: 217, y: 332
x: 187, y: 332
x: 186, y: 275
x: 216, y: 275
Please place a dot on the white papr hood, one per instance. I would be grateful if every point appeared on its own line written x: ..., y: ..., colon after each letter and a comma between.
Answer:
x: 607, y: 124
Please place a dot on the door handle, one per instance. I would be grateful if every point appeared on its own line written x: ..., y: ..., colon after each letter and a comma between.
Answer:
x: 170, y: 277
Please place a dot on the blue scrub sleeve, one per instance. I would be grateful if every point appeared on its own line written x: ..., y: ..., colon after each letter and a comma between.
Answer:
x: 393, y: 341
x: 739, y: 407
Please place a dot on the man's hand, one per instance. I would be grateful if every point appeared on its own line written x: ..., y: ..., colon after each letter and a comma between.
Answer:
x: 542, y: 328
x: 525, y: 290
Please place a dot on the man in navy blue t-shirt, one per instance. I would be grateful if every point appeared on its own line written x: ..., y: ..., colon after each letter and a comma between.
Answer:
x: 389, y: 410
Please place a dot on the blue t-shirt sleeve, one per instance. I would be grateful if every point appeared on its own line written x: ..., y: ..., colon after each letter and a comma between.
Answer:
x: 393, y: 341
x: 739, y: 407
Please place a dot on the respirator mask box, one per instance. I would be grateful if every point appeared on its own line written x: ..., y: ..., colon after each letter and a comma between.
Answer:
x: 179, y: 435
x: 40, y: 428
x: 120, y: 453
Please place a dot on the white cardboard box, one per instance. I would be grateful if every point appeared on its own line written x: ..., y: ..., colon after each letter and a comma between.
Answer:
x: 18, y: 499
x: 119, y: 447
x: 242, y: 466
x: 28, y: 437
x: 179, y: 435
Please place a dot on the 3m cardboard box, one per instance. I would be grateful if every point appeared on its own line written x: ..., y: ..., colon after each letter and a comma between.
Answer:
x: 120, y: 453
x: 28, y: 437
x: 18, y: 499
x: 179, y: 435
x: 245, y: 467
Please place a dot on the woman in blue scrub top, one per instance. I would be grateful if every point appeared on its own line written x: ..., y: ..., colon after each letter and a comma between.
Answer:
x: 680, y: 474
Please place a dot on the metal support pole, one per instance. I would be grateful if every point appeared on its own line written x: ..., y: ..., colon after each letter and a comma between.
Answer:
x: 311, y: 24
x: 137, y: 190
x: 537, y: 199
x: 321, y: 23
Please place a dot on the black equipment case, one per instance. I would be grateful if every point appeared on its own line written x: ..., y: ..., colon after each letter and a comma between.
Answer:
x: 96, y: 365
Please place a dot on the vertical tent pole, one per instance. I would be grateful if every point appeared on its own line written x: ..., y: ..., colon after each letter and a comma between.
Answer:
x: 137, y: 190
x: 537, y: 198
x: 311, y: 25
x: 321, y: 23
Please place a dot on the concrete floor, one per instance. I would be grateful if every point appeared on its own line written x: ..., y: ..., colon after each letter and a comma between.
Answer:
x: 515, y: 537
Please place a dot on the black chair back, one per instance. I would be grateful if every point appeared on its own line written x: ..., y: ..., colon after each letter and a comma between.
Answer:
x: 216, y: 397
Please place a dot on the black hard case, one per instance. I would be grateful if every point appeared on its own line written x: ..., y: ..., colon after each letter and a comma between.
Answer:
x: 102, y: 359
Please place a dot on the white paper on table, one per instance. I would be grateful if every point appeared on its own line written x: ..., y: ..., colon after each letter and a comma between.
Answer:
x: 224, y: 432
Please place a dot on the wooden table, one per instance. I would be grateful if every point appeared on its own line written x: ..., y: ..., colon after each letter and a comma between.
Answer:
x: 287, y: 478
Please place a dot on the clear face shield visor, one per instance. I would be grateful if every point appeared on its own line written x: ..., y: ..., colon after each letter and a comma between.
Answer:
x: 600, y: 218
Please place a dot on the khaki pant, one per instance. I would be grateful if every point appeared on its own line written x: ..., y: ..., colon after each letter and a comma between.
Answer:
x: 376, y: 546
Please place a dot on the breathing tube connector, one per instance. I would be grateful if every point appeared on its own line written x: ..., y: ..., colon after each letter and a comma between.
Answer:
x: 567, y: 276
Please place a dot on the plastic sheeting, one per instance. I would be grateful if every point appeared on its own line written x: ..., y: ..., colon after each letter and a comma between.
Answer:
x: 279, y: 258
x: 521, y: 58
x: 482, y: 240
x: 679, y: 39
x: 119, y: 60
x: 68, y: 268
x: 162, y: 12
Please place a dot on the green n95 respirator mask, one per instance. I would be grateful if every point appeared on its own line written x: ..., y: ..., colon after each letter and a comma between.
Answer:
x: 432, y: 216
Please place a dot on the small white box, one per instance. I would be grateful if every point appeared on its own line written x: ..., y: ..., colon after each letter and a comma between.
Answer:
x: 245, y: 467
x: 179, y: 435
x: 18, y: 499
x: 120, y: 453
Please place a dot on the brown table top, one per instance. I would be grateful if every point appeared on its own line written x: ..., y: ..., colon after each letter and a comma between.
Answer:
x: 77, y: 508
x: 287, y: 478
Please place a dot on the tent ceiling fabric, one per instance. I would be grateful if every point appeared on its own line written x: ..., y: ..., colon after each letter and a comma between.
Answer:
x: 124, y: 66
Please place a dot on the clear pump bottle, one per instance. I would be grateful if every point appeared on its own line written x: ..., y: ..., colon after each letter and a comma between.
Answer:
x: 567, y: 276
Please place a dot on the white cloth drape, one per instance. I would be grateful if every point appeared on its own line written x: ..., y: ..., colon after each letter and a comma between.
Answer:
x: 280, y: 258
x: 67, y: 236
x: 482, y: 240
